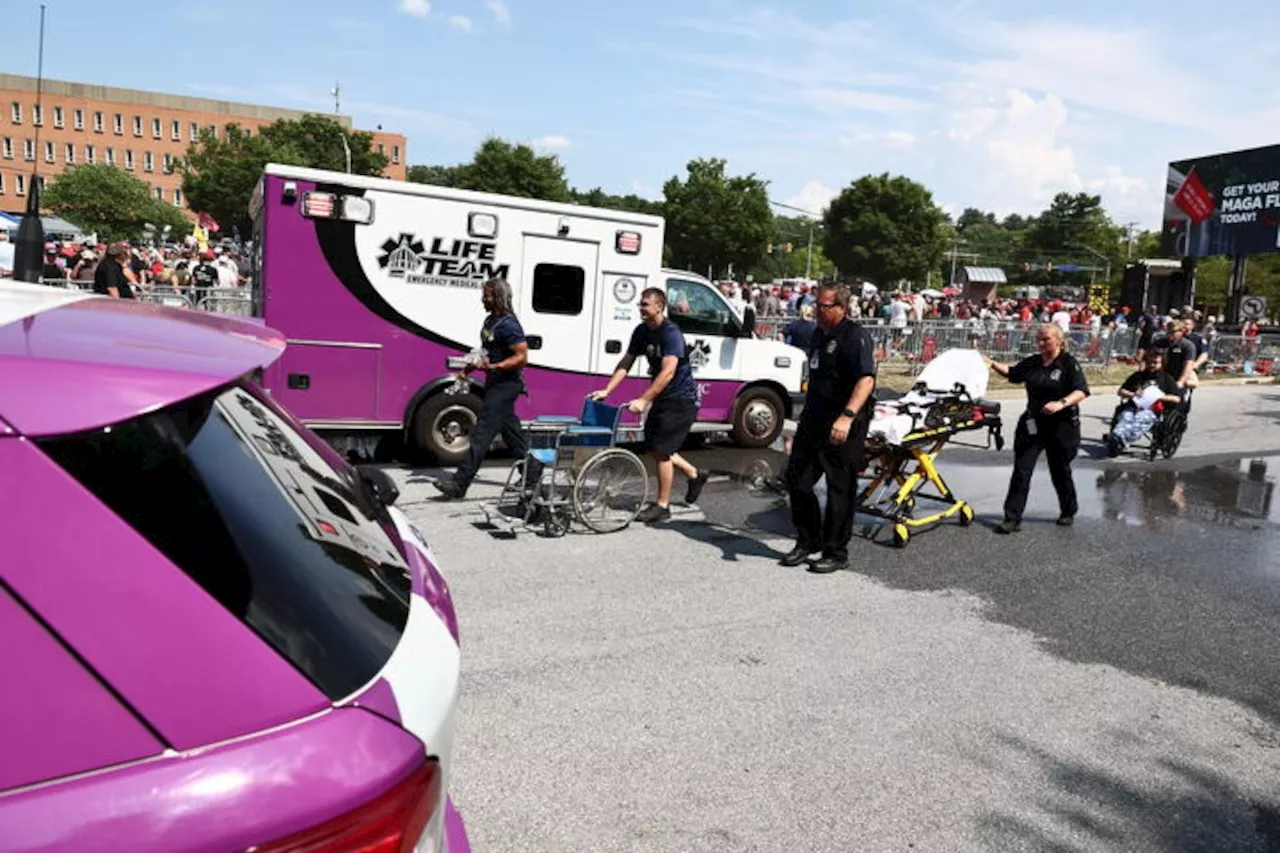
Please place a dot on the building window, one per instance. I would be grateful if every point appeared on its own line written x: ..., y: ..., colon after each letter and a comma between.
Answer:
x: 40, y: 182
x: 558, y: 289
x: 148, y: 162
x: 155, y: 128
x: 177, y: 198
x: 20, y: 184
x: 382, y: 149
x: 69, y: 153
x: 175, y: 132
x: 29, y: 150
x: 213, y: 130
x: 137, y: 125
x: 168, y: 164
x: 110, y: 156
x: 195, y: 131
x: 49, y: 152
x: 395, y: 153
x: 1, y: 183
x: 8, y: 148
x: 88, y: 154
x: 97, y: 121
x: 77, y: 119
x: 37, y: 114
x: 58, y: 119
x: 128, y: 160
x: 17, y: 112
x: 160, y: 193
x: 117, y: 123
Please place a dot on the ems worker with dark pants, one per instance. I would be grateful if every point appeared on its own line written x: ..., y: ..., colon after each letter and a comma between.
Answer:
x: 1055, y: 386
x: 832, y: 434
x: 671, y: 398
x: 506, y: 353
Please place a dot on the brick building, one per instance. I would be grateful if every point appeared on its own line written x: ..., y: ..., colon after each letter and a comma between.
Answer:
x: 144, y: 133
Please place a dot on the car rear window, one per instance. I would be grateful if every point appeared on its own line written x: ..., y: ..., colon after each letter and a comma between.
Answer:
x: 233, y: 495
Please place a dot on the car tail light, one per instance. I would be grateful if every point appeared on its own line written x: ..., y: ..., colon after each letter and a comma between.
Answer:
x: 391, y: 823
x: 319, y: 205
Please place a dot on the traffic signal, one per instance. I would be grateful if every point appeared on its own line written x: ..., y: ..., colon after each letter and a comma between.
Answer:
x: 788, y: 247
x: 769, y: 249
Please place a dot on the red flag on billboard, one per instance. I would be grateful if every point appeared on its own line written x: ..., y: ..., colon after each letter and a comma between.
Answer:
x: 207, y: 223
x: 1194, y: 199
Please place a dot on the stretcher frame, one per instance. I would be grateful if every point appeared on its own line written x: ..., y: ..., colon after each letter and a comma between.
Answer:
x: 904, y: 470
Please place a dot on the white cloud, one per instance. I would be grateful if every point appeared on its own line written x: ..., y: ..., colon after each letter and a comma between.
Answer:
x: 551, y: 143
x: 892, y: 139
x: 833, y: 99
x: 500, y: 11
x: 460, y: 22
x: 814, y: 196
x: 417, y: 8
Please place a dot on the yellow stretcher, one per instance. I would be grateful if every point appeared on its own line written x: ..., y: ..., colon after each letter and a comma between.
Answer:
x: 901, y: 471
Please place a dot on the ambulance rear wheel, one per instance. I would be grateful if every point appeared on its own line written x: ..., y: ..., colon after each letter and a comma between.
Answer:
x: 442, y: 427
x: 758, y: 419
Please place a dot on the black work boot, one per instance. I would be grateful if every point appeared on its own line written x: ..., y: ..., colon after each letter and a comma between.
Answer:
x: 797, y: 556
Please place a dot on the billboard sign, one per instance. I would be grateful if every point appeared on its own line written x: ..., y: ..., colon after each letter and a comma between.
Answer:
x: 1223, y: 204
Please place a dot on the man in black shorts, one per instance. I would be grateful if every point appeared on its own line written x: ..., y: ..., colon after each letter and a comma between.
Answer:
x: 671, y: 398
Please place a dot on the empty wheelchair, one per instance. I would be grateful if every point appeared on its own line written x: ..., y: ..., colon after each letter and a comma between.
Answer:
x: 580, y: 474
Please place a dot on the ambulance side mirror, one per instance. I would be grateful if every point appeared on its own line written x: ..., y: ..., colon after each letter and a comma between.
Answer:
x: 749, y: 322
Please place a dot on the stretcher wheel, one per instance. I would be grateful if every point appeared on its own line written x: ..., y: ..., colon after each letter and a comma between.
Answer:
x: 966, y: 515
x: 900, y: 536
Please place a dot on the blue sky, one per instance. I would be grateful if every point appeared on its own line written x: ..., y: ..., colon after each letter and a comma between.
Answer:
x: 991, y: 103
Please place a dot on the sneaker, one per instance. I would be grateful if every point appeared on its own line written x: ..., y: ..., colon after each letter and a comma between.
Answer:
x: 695, y: 487
x: 653, y: 513
x: 1007, y: 526
x: 450, y: 489
x: 1065, y: 520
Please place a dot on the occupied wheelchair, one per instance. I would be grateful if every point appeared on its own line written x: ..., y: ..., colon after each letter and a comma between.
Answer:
x: 1165, y: 436
x: 582, y: 474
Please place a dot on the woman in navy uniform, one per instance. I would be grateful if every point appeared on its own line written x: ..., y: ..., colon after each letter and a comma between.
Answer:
x: 505, y: 354
x: 1055, y: 386
x: 832, y: 434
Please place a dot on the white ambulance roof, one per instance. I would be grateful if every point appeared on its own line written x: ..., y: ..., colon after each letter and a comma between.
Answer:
x: 431, y: 191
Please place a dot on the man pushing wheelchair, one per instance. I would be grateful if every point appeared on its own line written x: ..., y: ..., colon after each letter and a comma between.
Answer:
x: 1157, y: 398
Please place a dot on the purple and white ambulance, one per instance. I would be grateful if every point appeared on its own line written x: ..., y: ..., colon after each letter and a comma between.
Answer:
x: 376, y: 283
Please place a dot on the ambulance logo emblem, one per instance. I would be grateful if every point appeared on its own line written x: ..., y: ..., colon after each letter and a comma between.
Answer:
x: 699, y: 355
x: 401, y: 256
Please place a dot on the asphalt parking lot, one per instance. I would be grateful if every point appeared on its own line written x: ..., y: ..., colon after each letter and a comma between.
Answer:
x: 1113, y: 686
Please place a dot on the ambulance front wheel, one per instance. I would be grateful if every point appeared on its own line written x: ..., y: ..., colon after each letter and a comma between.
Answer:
x: 758, y: 418
x: 442, y: 428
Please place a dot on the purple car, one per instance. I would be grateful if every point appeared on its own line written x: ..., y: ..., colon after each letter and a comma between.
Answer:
x: 215, y: 635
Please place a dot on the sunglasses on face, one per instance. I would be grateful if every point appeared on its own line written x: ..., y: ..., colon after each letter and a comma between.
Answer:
x: 827, y: 304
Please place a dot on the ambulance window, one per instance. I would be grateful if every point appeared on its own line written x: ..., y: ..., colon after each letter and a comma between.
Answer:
x: 558, y: 289
x: 695, y: 308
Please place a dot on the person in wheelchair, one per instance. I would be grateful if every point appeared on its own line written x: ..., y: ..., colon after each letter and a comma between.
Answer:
x: 1179, y: 361
x: 1145, y: 395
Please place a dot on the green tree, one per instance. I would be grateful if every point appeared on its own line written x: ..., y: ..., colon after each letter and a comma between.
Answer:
x: 886, y: 229
x: 440, y: 176
x: 630, y: 203
x: 1072, y: 221
x: 512, y: 169
x: 716, y: 220
x: 219, y: 173
x: 315, y: 141
x: 111, y: 202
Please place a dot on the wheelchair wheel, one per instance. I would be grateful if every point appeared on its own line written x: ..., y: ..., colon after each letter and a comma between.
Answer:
x: 610, y: 490
x: 1173, y: 435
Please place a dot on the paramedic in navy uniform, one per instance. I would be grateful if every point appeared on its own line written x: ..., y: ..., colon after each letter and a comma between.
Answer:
x: 505, y: 354
x: 832, y: 433
x: 671, y: 398
x: 1055, y: 386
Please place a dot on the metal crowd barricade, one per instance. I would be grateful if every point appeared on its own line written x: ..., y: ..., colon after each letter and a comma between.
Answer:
x: 1252, y: 356
x: 168, y: 298
x: 227, y: 300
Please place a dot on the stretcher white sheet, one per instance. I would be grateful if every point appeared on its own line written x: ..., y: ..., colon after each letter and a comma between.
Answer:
x: 893, y: 421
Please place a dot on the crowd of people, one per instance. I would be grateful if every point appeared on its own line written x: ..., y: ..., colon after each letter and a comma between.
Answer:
x: 186, y: 270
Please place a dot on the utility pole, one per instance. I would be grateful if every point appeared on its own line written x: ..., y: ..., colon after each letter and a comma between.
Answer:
x: 955, y: 251
x: 337, y: 110
x: 808, y: 258
x: 1129, y: 226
